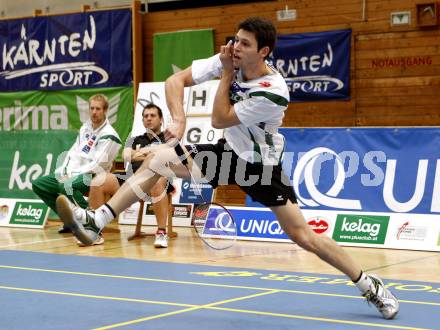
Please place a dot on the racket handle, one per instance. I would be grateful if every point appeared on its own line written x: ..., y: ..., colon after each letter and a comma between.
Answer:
x: 181, y: 154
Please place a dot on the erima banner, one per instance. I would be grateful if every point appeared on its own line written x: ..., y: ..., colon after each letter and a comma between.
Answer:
x: 316, y: 66
x: 27, y: 155
x: 63, y: 110
x: 66, y: 51
x: 174, y: 51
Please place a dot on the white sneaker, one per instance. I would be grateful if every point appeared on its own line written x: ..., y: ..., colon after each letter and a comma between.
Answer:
x: 98, y: 241
x: 161, y: 240
x: 382, y: 298
x: 80, y: 221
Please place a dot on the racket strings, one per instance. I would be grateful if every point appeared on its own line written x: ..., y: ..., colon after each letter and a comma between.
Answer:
x: 214, y: 225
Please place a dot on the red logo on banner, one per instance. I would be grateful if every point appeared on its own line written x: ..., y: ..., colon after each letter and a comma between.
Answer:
x: 401, y: 229
x: 201, y: 212
x: 319, y: 225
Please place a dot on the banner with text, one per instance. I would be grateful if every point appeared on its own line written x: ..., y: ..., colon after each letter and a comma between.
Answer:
x: 316, y: 66
x: 27, y: 213
x: 367, y: 169
x: 370, y: 177
x: 174, y: 51
x: 63, y: 110
x: 348, y: 228
x: 198, y: 103
x: 66, y: 51
x: 28, y: 155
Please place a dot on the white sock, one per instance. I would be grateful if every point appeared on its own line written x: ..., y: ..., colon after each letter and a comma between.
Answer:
x: 364, y: 283
x: 79, y: 214
x: 103, y: 216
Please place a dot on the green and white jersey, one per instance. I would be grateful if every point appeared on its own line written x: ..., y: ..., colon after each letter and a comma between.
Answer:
x: 259, y: 104
x: 94, y: 151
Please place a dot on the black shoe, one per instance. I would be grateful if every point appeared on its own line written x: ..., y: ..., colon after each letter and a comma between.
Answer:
x: 64, y: 230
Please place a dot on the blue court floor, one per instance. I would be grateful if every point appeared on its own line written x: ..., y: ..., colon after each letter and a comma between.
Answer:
x: 53, y: 291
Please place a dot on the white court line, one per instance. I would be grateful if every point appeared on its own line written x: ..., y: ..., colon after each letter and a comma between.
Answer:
x: 34, y: 242
x: 45, y: 241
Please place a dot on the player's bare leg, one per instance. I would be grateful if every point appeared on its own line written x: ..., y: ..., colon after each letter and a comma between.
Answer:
x: 293, y: 223
x: 162, y: 162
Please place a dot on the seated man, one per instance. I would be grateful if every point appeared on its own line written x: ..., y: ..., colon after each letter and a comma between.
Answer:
x: 94, y: 151
x: 135, y: 152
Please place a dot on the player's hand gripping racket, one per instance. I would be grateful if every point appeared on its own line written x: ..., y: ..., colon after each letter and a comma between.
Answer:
x: 212, y: 222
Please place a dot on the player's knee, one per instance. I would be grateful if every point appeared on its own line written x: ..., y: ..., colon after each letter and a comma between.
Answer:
x: 146, y: 163
x: 98, y: 181
x: 160, y: 164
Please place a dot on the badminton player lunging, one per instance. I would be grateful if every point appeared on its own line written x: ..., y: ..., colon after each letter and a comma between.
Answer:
x: 249, y: 105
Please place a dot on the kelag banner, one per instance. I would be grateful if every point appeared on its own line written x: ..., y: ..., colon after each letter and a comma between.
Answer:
x: 316, y: 66
x: 63, y: 110
x: 174, y: 51
x: 27, y: 155
x: 66, y: 51
x: 365, y: 169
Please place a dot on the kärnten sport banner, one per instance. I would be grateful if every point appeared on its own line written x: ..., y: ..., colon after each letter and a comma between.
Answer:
x: 174, y: 51
x: 49, y: 67
x: 316, y: 66
x: 84, y: 50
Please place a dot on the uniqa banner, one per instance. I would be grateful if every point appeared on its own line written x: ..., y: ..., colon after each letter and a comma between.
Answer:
x: 316, y: 66
x: 348, y: 228
x: 393, y: 170
x: 27, y: 155
x: 66, y: 51
x: 63, y: 110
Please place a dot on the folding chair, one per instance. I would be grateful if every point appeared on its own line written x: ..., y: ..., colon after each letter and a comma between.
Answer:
x: 138, y: 233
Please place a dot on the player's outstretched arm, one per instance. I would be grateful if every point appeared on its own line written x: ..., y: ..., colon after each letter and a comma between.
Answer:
x: 174, y: 88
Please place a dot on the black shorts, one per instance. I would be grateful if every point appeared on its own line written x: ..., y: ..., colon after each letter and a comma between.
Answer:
x: 220, y: 165
x: 121, y: 176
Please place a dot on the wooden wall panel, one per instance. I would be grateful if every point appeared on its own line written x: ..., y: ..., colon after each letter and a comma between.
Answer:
x: 395, y: 71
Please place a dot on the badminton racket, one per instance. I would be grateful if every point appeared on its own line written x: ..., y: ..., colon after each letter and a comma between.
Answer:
x: 213, y: 222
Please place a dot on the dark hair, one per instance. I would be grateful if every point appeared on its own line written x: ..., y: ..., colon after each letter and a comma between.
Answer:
x: 153, y: 106
x: 263, y: 29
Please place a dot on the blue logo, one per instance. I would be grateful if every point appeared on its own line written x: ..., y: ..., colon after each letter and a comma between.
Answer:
x: 219, y: 222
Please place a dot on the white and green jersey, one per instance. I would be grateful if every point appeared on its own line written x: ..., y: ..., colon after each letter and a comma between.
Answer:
x: 259, y: 105
x: 94, y: 151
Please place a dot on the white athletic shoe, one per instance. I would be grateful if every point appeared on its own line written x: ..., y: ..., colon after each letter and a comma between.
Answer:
x: 382, y: 298
x: 98, y: 241
x: 80, y: 221
x: 161, y: 240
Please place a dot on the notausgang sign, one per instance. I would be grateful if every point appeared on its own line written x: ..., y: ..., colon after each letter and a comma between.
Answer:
x: 66, y: 51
